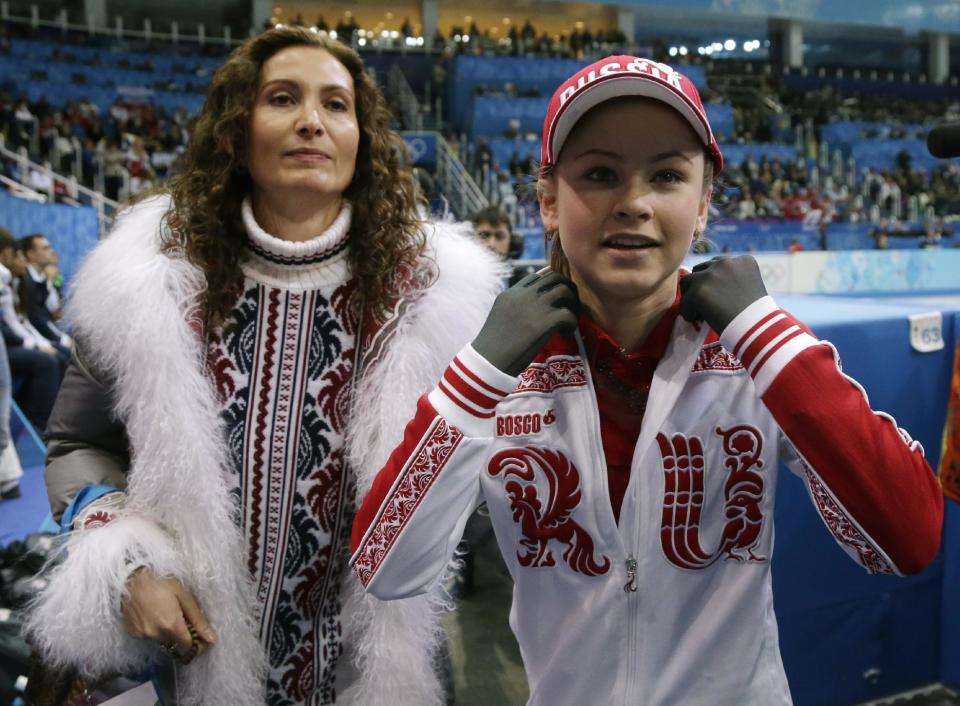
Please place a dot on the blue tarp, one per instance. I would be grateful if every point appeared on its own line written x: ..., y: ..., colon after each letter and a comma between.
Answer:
x: 882, y: 154
x: 526, y: 73
x: 72, y: 230
x: 736, y: 154
x: 836, y: 621
x: 491, y: 116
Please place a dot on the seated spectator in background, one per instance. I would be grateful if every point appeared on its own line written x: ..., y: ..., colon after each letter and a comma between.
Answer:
x: 492, y: 227
x: 794, y: 207
x: 889, y: 196
x: 22, y: 125
x: 142, y: 175
x: 427, y: 188
x: 114, y: 161
x: 528, y: 33
x: 508, y: 195
x: 65, y: 149
x: 794, y: 246
x: 10, y: 469
x: 747, y: 208
x: 34, y: 363
x: 40, y: 180
x: 931, y: 237
x: 39, y: 297
x: 814, y: 214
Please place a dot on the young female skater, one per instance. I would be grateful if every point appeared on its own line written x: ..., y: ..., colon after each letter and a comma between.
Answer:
x: 625, y: 427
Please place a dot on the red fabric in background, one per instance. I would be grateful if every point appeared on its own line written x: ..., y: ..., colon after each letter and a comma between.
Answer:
x: 950, y: 458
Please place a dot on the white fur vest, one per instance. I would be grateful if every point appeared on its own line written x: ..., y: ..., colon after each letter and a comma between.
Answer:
x: 130, y: 306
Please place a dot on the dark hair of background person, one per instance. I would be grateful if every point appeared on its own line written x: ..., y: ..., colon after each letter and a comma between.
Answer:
x: 496, y: 217
x: 26, y: 243
x: 386, y: 237
x: 7, y: 240
x: 492, y: 215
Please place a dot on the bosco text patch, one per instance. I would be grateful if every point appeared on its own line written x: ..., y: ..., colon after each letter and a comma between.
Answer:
x: 524, y: 424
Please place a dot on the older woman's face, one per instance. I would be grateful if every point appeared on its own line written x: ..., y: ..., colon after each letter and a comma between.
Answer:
x: 303, y: 130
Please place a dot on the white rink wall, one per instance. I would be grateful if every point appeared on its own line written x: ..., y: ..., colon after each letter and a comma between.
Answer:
x: 858, y: 272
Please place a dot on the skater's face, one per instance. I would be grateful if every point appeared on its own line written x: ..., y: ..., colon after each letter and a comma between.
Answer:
x: 627, y: 196
x: 304, y: 133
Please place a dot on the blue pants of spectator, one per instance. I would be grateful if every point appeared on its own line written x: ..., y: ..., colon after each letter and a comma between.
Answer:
x: 10, y: 470
x: 40, y: 374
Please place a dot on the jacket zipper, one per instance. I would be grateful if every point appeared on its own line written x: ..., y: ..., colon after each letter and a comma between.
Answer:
x: 633, y: 611
x: 631, y: 585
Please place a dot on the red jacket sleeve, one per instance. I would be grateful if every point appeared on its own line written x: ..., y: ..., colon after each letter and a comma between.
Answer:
x: 868, y: 479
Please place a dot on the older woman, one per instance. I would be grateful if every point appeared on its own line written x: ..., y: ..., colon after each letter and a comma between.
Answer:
x: 247, y: 344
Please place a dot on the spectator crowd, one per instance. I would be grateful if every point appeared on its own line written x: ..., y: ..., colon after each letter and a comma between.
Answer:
x: 38, y: 349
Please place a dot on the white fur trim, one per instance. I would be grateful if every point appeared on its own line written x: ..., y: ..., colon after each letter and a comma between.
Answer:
x: 129, y: 307
x: 90, y: 620
x: 448, y: 316
x: 444, y: 320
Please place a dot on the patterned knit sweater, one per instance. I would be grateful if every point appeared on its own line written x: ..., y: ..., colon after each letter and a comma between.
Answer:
x: 282, y: 364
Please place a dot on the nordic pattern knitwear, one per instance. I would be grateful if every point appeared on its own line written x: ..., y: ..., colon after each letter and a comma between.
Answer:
x: 282, y: 365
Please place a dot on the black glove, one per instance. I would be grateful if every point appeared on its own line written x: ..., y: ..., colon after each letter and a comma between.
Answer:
x: 524, y: 318
x: 719, y: 289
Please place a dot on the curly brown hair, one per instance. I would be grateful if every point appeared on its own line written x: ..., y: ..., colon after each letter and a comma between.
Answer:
x: 386, y: 236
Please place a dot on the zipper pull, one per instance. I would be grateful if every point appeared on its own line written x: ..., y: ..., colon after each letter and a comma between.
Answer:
x: 631, y: 585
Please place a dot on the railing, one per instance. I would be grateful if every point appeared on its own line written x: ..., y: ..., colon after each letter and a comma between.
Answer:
x: 25, y: 192
x: 399, y: 88
x: 47, y: 181
x: 118, y: 30
x: 462, y: 192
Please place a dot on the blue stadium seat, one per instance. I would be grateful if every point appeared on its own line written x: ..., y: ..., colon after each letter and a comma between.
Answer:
x: 526, y: 73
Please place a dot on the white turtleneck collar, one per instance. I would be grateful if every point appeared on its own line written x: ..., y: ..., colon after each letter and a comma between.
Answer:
x: 311, y: 264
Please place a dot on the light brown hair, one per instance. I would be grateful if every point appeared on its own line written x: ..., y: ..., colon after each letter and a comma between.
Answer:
x: 551, y: 238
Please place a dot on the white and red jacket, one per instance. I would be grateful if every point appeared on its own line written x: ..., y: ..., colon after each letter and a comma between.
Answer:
x: 673, y: 605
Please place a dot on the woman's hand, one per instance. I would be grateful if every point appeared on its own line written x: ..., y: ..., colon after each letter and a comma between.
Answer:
x: 160, y: 609
x: 719, y: 289
x: 524, y: 318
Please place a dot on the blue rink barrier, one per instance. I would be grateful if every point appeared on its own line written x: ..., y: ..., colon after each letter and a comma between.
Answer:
x: 858, y: 272
x: 847, y: 636
x: 767, y: 239
x: 776, y: 236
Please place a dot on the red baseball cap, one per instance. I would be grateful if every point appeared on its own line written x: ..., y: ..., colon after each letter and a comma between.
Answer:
x: 615, y: 77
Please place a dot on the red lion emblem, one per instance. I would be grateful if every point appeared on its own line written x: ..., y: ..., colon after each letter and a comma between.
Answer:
x: 683, y: 498
x: 541, y: 522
